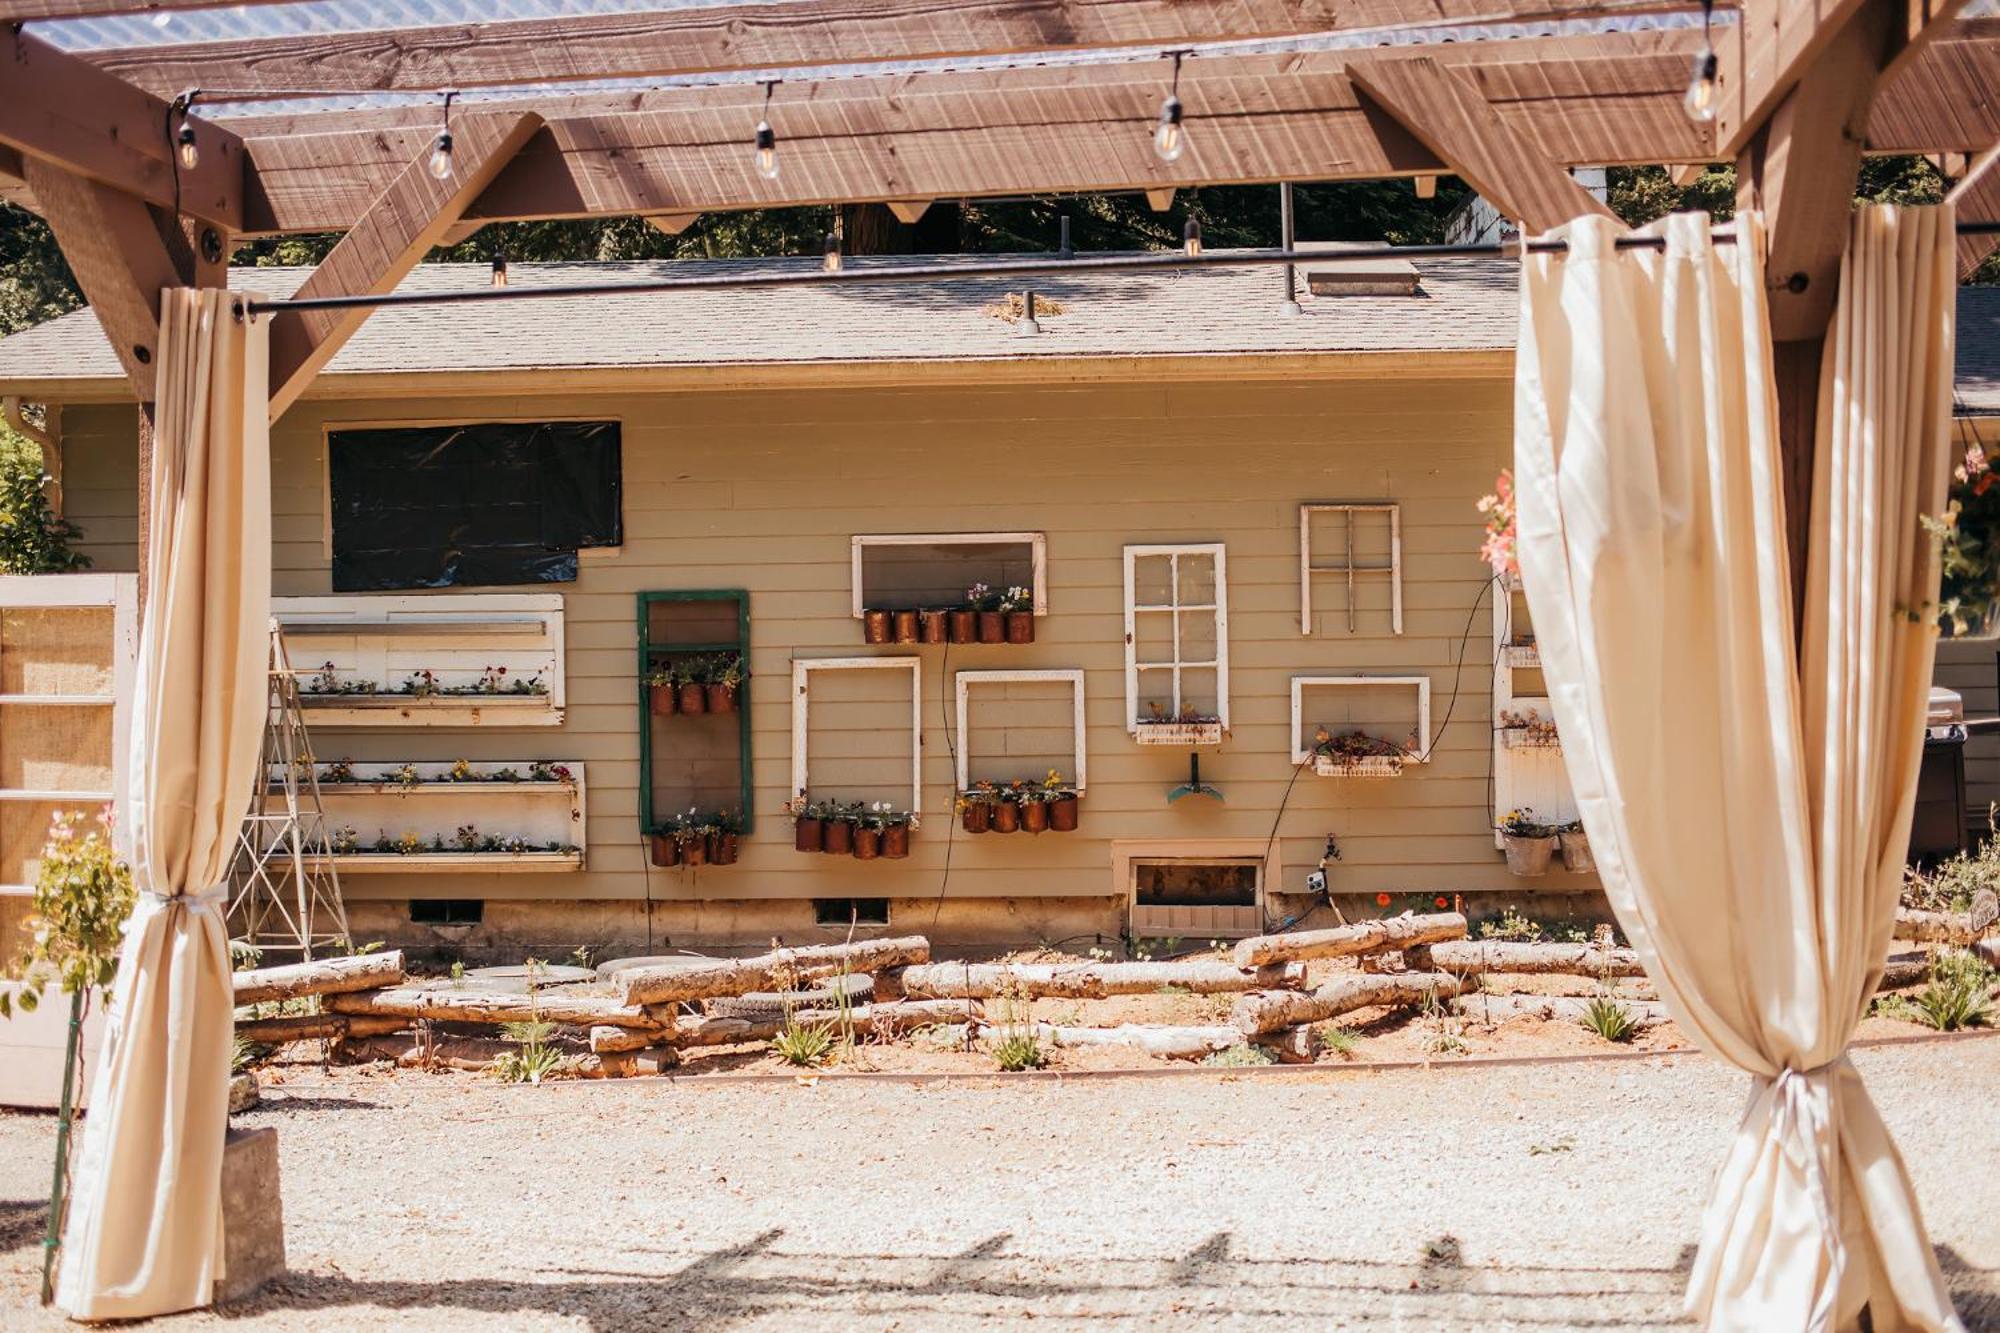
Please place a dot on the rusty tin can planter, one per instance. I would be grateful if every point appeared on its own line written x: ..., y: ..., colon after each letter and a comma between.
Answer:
x: 1020, y: 626
x: 694, y: 697
x: 666, y: 850
x: 808, y: 835
x: 933, y: 626
x: 875, y: 627
x: 1006, y: 817
x: 1063, y: 813
x: 660, y: 698
x: 721, y: 698
x: 1035, y: 816
x: 839, y: 839
x: 906, y: 627
x: 722, y: 849
x: 694, y: 852
x: 976, y: 817
x: 961, y: 626
x: 992, y: 627
x: 867, y: 844
x: 896, y: 842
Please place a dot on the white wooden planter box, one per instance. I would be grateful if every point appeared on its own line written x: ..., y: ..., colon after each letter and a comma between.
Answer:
x: 1178, y: 733
x: 1522, y: 656
x: 384, y: 640
x: 1519, y: 738
x: 1358, y: 766
x: 378, y: 804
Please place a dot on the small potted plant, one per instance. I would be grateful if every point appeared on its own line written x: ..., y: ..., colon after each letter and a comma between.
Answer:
x: 694, y: 833
x: 1006, y: 810
x: 1062, y: 801
x: 660, y: 685
x: 1529, y: 843
x: 1034, y: 807
x: 992, y: 620
x: 1017, y: 604
x: 808, y: 824
x: 906, y: 626
x: 1528, y: 731
x: 975, y: 808
x: 667, y: 843
x: 934, y: 625
x: 896, y: 826
x: 962, y: 624
x: 1576, y: 848
x: 840, y: 823
x: 876, y: 626
x: 691, y: 691
x: 868, y: 832
x: 725, y: 674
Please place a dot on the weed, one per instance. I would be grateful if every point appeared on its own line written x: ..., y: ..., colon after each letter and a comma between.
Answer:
x: 803, y: 1044
x: 1610, y: 1019
x: 1897, y: 1007
x: 1950, y: 885
x: 1015, y: 1045
x: 1341, y: 1041
x: 1018, y: 1051
x: 583, y: 956
x: 1245, y: 1056
x: 535, y: 1059
x: 1511, y: 926
x: 1955, y: 996
x: 457, y: 973
x: 243, y: 1054
x: 1447, y: 1029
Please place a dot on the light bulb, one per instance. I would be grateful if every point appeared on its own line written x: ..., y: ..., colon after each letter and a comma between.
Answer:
x: 441, y: 155
x: 767, y: 151
x: 1191, y: 239
x: 1701, y: 93
x: 190, y: 152
x: 832, y: 260
x: 1169, y: 139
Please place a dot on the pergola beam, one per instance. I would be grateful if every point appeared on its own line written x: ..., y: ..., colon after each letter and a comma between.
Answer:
x: 714, y: 39
x: 1444, y: 109
x: 412, y: 215
x: 17, y: 11
x: 1977, y: 199
x: 64, y: 111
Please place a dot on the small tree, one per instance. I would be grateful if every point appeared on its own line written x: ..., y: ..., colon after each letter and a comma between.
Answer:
x: 32, y: 539
x: 83, y: 897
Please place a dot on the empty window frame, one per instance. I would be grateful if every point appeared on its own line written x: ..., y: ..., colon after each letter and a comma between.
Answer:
x: 1176, y: 633
x: 802, y: 673
x: 1345, y: 562
x: 968, y: 679
x: 1364, y: 717
x: 903, y: 571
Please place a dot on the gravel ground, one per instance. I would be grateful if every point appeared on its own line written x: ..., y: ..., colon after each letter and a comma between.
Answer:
x: 1494, y: 1197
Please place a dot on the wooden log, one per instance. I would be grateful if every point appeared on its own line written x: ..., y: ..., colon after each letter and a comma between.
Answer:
x: 1497, y: 1009
x: 1960, y: 928
x: 1267, y: 1011
x: 883, y: 1019
x: 322, y: 976
x: 1342, y: 941
x: 901, y: 1016
x: 608, y: 1040
x: 314, y: 1027
x: 768, y: 971
x: 1475, y: 957
x: 1167, y: 1042
x: 1293, y: 1046
x: 1063, y: 981
x: 1905, y: 969
x: 470, y: 1006
x: 1201, y: 977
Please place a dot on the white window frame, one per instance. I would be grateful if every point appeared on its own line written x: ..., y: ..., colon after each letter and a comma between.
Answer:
x: 802, y: 669
x: 1394, y: 569
x: 1301, y: 752
x: 55, y: 592
x: 1037, y: 542
x: 967, y: 679
x: 1220, y: 610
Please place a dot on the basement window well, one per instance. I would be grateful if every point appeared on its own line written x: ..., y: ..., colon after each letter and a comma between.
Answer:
x: 447, y: 911
x: 1196, y: 896
x: 850, y: 911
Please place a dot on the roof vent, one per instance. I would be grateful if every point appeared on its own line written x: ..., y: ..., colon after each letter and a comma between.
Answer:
x: 1381, y: 275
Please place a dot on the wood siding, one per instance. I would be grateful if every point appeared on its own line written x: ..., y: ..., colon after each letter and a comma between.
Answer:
x: 765, y: 490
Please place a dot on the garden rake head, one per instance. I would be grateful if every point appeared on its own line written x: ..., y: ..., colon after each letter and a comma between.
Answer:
x: 1194, y: 786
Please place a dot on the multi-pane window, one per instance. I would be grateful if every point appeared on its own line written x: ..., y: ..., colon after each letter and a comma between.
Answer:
x: 1176, y: 639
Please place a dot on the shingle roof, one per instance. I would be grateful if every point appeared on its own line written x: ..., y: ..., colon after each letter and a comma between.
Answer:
x: 1463, y: 305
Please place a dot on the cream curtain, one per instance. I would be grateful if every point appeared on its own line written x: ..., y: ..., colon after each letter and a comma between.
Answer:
x: 1749, y: 805
x: 145, y: 1227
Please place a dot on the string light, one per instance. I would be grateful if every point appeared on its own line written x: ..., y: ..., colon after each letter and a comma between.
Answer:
x: 1169, y: 136
x: 184, y: 138
x: 767, y: 138
x: 1700, y: 102
x: 440, y: 164
x: 832, y: 260
x: 1191, y: 237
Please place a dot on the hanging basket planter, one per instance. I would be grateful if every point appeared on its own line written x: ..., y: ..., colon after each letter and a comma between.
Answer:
x: 867, y: 843
x: 693, y: 697
x: 961, y: 626
x: 1020, y: 626
x: 1528, y: 857
x: 975, y: 816
x: 1034, y: 817
x: 808, y: 834
x: 1006, y: 817
x: 1576, y: 851
x: 721, y: 697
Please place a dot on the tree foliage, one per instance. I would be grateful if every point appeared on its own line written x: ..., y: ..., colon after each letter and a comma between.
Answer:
x: 32, y: 539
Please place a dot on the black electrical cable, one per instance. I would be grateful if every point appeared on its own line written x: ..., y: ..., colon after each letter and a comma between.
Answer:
x: 951, y: 752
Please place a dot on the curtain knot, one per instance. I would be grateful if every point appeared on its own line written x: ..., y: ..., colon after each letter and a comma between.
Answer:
x: 1803, y: 1120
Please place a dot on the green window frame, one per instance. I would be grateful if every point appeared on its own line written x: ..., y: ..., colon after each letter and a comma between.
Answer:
x: 649, y: 650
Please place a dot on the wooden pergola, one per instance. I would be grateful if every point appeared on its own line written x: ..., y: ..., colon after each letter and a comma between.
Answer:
x: 985, y: 99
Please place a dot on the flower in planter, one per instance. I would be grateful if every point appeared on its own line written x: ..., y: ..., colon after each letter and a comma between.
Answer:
x: 504, y: 775
x: 981, y: 597
x: 420, y: 683
x: 461, y: 771
x: 466, y: 839
x: 1501, y: 550
x: 542, y: 770
x: 346, y: 840
x: 726, y: 669
x: 410, y: 844
x: 1015, y: 598
x: 1523, y: 824
x: 1383, y: 900
x: 1968, y: 537
x: 406, y: 776
x: 1355, y: 745
x: 340, y: 770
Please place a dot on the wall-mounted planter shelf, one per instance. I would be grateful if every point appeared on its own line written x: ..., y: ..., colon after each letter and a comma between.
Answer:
x: 1520, y: 738
x: 1177, y: 733
x: 1522, y: 656
x: 440, y: 863
x: 383, y: 640
x: 379, y: 803
x: 1360, y: 765
x: 898, y: 571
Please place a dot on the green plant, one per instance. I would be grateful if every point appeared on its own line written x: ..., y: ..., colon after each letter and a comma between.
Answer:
x: 1245, y: 1056
x: 1956, y: 995
x: 1968, y: 542
x: 1018, y: 1051
x: 243, y: 1054
x: 83, y: 895
x: 1523, y: 824
x: 1510, y: 926
x: 1343, y: 1042
x: 535, y: 1060
x: 1609, y: 1019
x: 1950, y: 885
x: 32, y: 539
x: 803, y: 1044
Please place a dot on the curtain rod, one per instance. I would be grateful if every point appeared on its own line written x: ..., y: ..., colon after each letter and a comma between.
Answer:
x: 1051, y: 266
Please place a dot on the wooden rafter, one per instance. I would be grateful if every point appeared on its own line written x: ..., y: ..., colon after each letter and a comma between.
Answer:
x: 772, y: 36
x: 412, y: 215
x: 14, y: 11
x: 1447, y: 113
x: 1977, y: 199
x: 61, y: 110
x: 113, y: 246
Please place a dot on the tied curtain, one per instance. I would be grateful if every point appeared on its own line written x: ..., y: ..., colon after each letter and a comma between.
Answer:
x: 1747, y: 792
x: 144, y: 1235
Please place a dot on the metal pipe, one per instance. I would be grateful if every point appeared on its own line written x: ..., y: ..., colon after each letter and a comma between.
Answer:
x: 1051, y: 265
x: 1287, y: 240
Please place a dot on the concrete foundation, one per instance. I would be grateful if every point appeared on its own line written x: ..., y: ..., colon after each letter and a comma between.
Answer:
x: 253, y: 1215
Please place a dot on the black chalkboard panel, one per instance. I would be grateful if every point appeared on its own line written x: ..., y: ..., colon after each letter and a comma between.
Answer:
x: 460, y: 506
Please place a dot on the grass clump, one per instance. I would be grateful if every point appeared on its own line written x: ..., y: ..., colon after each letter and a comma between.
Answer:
x: 1610, y: 1019
x: 803, y: 1044
x: 1956, y: 995
x: 1018, y: 1051
x: 534, y: 1058
x: 1245, y: 1056
x: 1341, y: 1041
